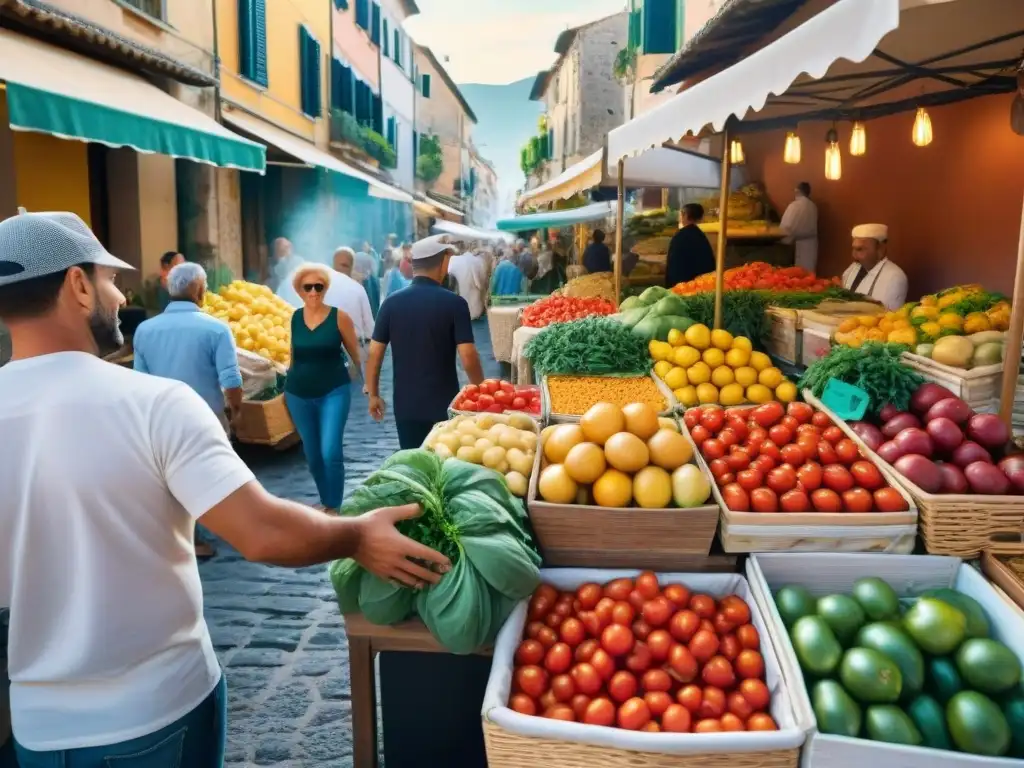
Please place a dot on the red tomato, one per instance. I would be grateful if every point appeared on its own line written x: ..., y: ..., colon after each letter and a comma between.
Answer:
x: 730, y: 647
x: 647, y: 585
x: 560, y: 712
x: 658, y: 702
x: 858, y: 500
x: 634, y: 715
x: 748, y: 637
x: 586, y: 650
x: 704, y: 606
x: 738, y: 705
x: 712, y: 449
x: 616, y: 640
x: 728, y: 438
x: 699, y: 435
x: 579, y: 705
x: 809, y: 445
x: 529, y: 652
x: 737, y: 461
x: 719, y: 468
x: 547, y: 636
x: 708, y: 725
x: 692, y: 417
x: 682, y: 664
x: 539, y: 607
x: 735, y: 609
x: 554, y: 620
x: 730, y: 723
x: 763, y: 464
x: 704, y: 645
x: 518, y: 403
x: 727, y: 479
x: 678, y: 595
x: 589, y: 595
x: 832, y: 434
x: 691, y: 697
x: 750, y: 665
x: 890, y: 500
x: 821, y: 420
x: 810, y: 476
x: 768, y: 414
x: 600, y: 712
x: 802, y: 412
x: 789, y: 421
x: 722, y: 625
x: 502, y: 397
x: 764, y: 500
x: 533, y: 629
x: 827, y: 453
x: 658, y: 611
x: 676, y: 719
x: 792, y: 454
x: 586, y: 679
x: 485, y: 401
x: 618, y: 589
x: 713, y: 703
x: 622, y: 686
x: 603, y: 663
x: 809, y: 429
x: 563, y: 688
x: 756, y: 693
x: 837, y: 477
x: 684, y: 625
x: 749, y: 479
x: 531, y: 680
x: 713, y: 419
x: 719, y: 673
x: 782, y: 479
x: 572, y: 631
x: 641, y: 629
x: 523, y: 704
x: 558, y: 659
x: 770, y: 449
x: 592, y: 622
x: 780, y: 434
x: 847, y: 450
x: 623, y: 613
x: 825, y: 500
x: 761, y: 722
x: 867, y: 475
x: 489, y: 386
x: 736, y: 498
x: 795, y: 501
x: 738, y: 426
x: 640, y: 660
x: 706, y: 625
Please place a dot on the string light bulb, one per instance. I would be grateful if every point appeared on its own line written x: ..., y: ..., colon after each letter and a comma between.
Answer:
x: 791, y: 153
x: 833, y: 158
x: 922, y: 134
x: 858, y: 140
x: 736, y: 153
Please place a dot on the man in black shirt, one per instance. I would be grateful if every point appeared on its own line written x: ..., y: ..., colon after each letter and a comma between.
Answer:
x: 426, y: 325
x: 689, y: 253
x: 596, y: 256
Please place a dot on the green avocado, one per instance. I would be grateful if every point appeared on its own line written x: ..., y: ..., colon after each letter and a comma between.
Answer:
x: 937, y: 627
x: 944, y: 680
x: 977, y: 725
x: 793, y: 603
x: 871, y: 677
x: 977, y: 620
x: 988, y: 665
x: 892, y: 725
x: 843, y: 614
x: 1013, y: 708
x: 930, y: 720
x: 834, y: 710
x: 897, y: 645
x: 877, y: 598
x: 816, y: 646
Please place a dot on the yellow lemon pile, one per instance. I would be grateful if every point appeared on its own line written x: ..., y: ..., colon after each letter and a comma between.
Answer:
x: 259, y: 320
x: 702, y: 366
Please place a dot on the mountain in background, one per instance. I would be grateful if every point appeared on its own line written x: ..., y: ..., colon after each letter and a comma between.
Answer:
x: 507, y: 119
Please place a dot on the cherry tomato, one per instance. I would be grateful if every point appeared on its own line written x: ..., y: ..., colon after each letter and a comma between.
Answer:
x: 837, y: 477
x: 700, y: 435
x: 713, y: 419
x: 704, y: 606
x: 792, y: 454
x: 789, y: 421
x: 704, y: 645
x: 558, y: 659
x: 722, y: 625
x: 735, y: 609
x: 782, y: 479
x: 534, y: 628
x: 764, y: 500
x: 572, y: 631
x: 735, y: 498
x: 749, y: 637
x: 592, y: 623
x: 825, y: 500
x: 867, y: 475
x: 586, y: 650
x: 727, y: 479
x: 738, y: 705
x: 623, y: 613
x: 657, y: 680
x: 708, y: 725
x: 600, y: 712
x: 682, y: 664
x: 768, y: 414
x: 658, y: 702
x: 761, y: 722
x: 809, y: 445
x: 529, y: 652
x: 730, y: 646
x: 706, y: 625
x: 810, y: 476
x: 718, y: 672
x: 676, y: 719
x: 749, y: 479
x: 737, y: 461
x: 634, y: 715
x: 603, y: 610
x: 728, y: 438
x: 579, y: 705
x: 795, y: 501
x: 750, y: 664
x: 691, y: 697
x: 547, y: 701
x: 692, y: 417
x: 713, y: 703
x: 712, y: 449
x: 809, y: 429
x: 548, y: 592
x: 560, y: 712
x: 603, y: 663
x: 847, y: 450
x: 756, y: 693
x: 763, y: 464
x: 858, y: 500
x: 658, y: 611
x: 647, y: 585
x: 780, y: 434
x: 719, y: 467
x: 523, y: 704
x: 678, y: 595
x: 683, y: 626
x: 636, y: 600
x: 821, y: 420
x: 770, y: 449
x: 833, y: 435
x: 547, y: 636
x: 640, y: 660
x: 802, y: 412
x: 618, y: 589
x: 659, y: 642
x: 622, y: 686
x: 554, y: 620
x: 616, y: 640
x: 531, y: 680
x: 563, y: 688
x: 586, y: 679
x: 890, y: 500
x: 730, y: 723
x: 589, y: 595
x: 827, y: 453
x: 738, y: 426
x: 539, y: 608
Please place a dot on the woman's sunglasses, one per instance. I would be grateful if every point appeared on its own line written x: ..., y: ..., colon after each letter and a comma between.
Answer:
x: 309, y: 287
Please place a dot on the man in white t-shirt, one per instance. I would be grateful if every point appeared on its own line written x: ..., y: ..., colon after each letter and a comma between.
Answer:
x: 349, y: 296
x: 104, y: 473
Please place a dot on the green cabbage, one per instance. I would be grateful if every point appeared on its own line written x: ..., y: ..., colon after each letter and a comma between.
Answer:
x: 471, y: 517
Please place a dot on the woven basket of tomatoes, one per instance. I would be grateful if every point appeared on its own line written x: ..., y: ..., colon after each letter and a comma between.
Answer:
x: 497, y: 396
x: 628, y: 669
x: 788, y: 478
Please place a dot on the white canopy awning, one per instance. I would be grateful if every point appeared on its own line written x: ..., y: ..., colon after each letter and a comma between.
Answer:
x: 558, y: 219
x: 462, y: 232
x: 307, y: 153
x: 435, y: 208
x: 583, y: 175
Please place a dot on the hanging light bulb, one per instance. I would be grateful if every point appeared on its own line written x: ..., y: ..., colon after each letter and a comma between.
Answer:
x: 791, y: 153
x: 736, y: 153
x: 922, y: 128
x: 858, y: 140
x: 833, y: 158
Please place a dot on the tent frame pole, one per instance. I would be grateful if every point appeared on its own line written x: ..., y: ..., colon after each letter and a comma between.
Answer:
x: 1014, y: 337
x: 620, y: 214
x: 723, y: 219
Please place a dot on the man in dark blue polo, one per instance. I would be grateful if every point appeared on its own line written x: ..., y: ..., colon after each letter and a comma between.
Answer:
x: 426, y: 325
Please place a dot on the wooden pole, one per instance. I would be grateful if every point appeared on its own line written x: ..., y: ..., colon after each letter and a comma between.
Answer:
x: 1014, y: 336
x: 620, y: 224
x: 723, y: 218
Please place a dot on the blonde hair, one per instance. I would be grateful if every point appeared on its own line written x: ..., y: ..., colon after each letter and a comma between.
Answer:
x: 310, y: 269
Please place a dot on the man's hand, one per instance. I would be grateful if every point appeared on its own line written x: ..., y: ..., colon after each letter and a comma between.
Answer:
x: 377, y: 407
x: 387, y: 554
x: 234, y: 414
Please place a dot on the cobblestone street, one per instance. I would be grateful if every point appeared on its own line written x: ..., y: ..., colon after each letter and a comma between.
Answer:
x: 278, y: 632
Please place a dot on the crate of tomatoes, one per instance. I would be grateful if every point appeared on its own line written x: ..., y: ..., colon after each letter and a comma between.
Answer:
x: 564, y: 309
x: 631, y: 669
x: 788, y: 478
x: 497, y: 396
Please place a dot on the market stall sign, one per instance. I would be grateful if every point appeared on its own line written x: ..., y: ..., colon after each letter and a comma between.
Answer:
x: 845, y: 400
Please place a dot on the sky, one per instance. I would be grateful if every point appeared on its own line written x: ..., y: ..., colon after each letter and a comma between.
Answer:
x: 500, y: 41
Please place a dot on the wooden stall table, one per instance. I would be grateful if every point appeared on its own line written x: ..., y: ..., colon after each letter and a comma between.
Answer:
x: 365, y: 641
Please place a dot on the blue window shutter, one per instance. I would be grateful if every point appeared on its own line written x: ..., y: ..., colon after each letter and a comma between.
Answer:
x: 378, y: 112
x: 385, y: 35
x: 659, y: 26
x: 415, y: 144
x: 260, y: 14
x: 551, y: 143
x: 363, y: 14
x: 341, y: 5
x: 426, y: 86
x: 397, y: 52
x: 252, y: 40
x: 375, y: 23
x: 309, y: 73
x: 336, y: 71
x: 391, y: 131
x: 348, y: 91
x: 398, y: 136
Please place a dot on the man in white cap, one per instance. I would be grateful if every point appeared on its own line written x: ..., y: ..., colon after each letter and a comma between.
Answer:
x: 427, y: 326
x: 104, y: 473
x: 872, y: 274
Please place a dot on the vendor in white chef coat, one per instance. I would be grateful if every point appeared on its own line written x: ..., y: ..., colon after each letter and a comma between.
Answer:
x: 872, y: 274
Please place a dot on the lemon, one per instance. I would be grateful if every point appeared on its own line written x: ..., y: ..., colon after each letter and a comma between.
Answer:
x: 722, y: 375
x: 731, y: 394
x: 721, y: 338
x: 770, y: 377
x: 713, y: 357
x: 742, y: 342
x: 707, y: 393
x: 248, y: 343
x: 685, y: 356
x: 737, y: 358
x: 785, y: 392
x: 758, y: 393
x: 661, y: 368
x: 760, y: 361
x: 698, y: 336
x: 745, y: 376
x: 687, y: 396
x: 698, y: 373
x: 676, y: 378
x: 659, y: 350
x: 676, y: 338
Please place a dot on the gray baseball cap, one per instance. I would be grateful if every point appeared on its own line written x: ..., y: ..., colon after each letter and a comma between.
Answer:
x: 38, y: 244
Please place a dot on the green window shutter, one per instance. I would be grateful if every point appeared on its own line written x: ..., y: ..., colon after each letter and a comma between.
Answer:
x: 337, y: 69
x: 377, y: 106
x: 384, y: 36
x: 397, y: 52
x: 635, y: 19
x: 341, y: 5
x: 309, y: 73
x: 252, y: 40
x: 260, y: 41
x: 659, y: 26
x: 375, y: 23
x: 426, y: 86
x: 363, y: 14
x: 551, y: 144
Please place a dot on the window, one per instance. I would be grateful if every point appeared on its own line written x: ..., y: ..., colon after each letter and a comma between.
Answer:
x: 385, y: 37
x: 425, y: 85
x: 252, y: 40
x: 659, y: 26
x: 309, y: 73
x: 375, y: 23
x: 363, y: 14
x: 342, y: 87
x: 155, y: 8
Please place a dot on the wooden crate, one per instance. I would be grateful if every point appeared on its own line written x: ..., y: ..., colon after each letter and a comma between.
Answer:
x: 784, y: 334
x: 814, y: 345
x: 1003, y: 577
x: 978, y: 387
x: 266, y: 422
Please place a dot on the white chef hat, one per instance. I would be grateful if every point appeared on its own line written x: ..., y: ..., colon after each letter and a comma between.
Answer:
x: 879, y: 232
x: 431, y: 246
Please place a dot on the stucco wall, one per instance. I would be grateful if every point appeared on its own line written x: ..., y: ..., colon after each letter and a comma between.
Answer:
x: 354, y: 45
x: 443, y: 115
x: 601, y: 107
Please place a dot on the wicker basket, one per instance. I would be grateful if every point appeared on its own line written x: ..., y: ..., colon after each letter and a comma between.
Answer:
x: 1004, y: 577
x: 784, y: 334
x: 265, y: 422
x: 565, y: 418
x: 955, y: 524
x: 978, y: 387
x: 585, y: 535
x: 520, y: 741
x: 502, y: 323
x: 879, y: 532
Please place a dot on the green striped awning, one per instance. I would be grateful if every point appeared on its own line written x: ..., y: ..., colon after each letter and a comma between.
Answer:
x: 58, y: 92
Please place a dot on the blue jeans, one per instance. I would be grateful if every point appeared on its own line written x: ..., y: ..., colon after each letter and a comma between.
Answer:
x: 195, y: 741
x: 320, y: 422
